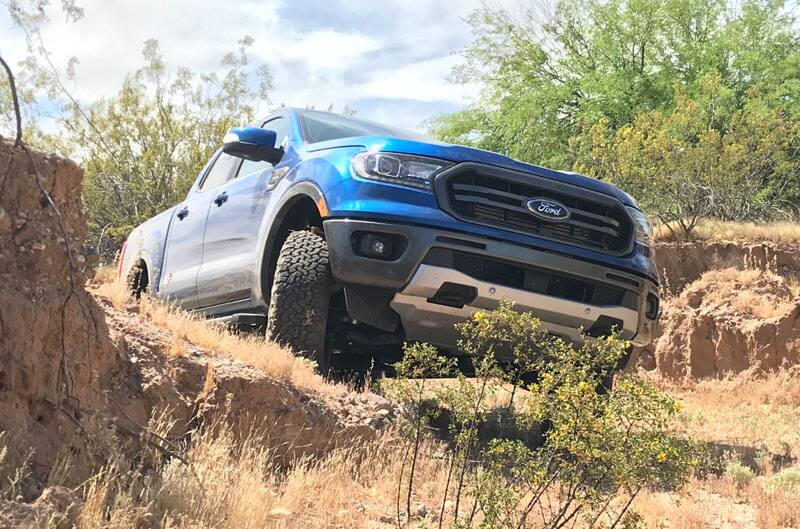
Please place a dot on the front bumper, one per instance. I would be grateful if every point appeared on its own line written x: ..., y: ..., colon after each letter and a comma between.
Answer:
x: 407, y: 289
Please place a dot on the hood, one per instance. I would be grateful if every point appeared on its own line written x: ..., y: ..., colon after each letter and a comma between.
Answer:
x: 460, y: 153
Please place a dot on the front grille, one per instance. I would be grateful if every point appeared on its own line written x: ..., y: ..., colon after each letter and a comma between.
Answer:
x: 596, y: 222
x: 532, y: 279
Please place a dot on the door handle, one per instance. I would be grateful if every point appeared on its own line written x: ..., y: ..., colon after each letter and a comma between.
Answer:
x: 183, y: 213
x: 221, y: 198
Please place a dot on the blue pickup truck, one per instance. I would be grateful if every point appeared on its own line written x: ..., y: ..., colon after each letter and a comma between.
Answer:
x: 339, y: 232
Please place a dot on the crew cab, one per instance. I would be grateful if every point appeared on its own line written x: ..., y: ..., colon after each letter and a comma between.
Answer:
x: 338, y: 231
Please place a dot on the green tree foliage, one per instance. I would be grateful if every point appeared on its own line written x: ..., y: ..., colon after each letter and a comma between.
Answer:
x: 683, y: 169
x: 562, y: 83
x: 143, y: 147
x: 602, y: 448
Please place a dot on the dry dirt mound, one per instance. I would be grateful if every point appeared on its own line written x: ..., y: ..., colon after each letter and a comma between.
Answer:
x: 728, y: 321
x: 74, y: 373
x: 53, y: 339
x: 197, y: 384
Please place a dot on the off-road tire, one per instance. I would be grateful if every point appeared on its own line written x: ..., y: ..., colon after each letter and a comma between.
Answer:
x: 138, y: 281
x: 301, y: 291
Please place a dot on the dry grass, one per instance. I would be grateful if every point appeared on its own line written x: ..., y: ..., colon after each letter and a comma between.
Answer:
x: 717, y: 230
x: 718, y: 503
x: 105, y: 274
x: 235, y: 484
x: 113, y: 289
x: 694, y: 508
x: 762, y: 413
x: 278, y: 362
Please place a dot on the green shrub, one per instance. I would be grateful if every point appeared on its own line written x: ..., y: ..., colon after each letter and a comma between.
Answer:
x: 787, y: 480
x: 738, y: 474
x: 599, y: 451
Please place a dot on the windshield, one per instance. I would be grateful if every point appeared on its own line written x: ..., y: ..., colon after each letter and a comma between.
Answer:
x: 323, y: 126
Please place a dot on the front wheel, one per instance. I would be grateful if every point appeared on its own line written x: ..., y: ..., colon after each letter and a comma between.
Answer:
x: 300, y: 296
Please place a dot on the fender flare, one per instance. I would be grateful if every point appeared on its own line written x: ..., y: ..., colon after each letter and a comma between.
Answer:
x: 304, y: 189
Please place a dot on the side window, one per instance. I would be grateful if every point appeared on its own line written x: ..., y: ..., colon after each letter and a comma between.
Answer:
x: 281, y: 128
x: 224, y: 169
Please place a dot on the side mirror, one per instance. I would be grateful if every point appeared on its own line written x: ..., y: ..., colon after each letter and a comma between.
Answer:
x: 252, y: 143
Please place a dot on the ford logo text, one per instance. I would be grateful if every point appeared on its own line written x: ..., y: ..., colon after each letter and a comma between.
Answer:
x: 547, y: 209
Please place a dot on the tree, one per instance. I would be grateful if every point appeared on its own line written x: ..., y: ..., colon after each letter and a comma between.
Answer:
x: 142, y: 148
x: 554, y: 80
x: 683, y: 169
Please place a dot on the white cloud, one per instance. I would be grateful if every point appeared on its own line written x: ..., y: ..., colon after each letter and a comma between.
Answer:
x: 392, y: 54
x: 327, y: 49
x: 421, y: 80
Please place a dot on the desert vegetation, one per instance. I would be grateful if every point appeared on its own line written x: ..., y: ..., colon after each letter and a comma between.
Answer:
x: 690, y: 107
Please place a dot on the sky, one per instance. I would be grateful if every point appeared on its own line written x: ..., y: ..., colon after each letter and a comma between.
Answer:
x: 390, y: 60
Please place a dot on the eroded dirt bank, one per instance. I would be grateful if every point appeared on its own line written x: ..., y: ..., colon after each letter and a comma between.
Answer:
x: 54, y: 342
x: 727, y: 322
x: 681, y: 263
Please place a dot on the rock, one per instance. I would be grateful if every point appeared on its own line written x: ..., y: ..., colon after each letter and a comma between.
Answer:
x: 5, y: 222
x: 390, y: 518
x: 420, y: 510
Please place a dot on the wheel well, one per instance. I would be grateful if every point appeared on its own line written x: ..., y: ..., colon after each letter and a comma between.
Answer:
x: 300, y: 214
x: 138, y: 278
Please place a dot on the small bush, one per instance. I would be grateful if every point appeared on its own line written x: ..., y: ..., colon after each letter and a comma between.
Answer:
x: 738, y: 474
x: 787, y: 480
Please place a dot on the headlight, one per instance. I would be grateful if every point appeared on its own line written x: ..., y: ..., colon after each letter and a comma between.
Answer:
x: 644, y: 230
x: 404, y: 169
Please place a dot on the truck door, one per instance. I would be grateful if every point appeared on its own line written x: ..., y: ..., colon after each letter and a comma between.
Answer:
x: 184, y: 245
x: 228, y: 272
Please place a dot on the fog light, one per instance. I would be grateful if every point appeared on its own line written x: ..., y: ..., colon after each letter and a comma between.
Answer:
x: 375, y: 245
x: 379, y: 247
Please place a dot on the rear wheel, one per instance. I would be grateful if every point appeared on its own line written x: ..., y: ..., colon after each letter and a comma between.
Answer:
x: 300, y: 296
x: 138, y: 280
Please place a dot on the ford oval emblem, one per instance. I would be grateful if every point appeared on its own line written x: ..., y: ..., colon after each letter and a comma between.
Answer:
x: 547, y: 209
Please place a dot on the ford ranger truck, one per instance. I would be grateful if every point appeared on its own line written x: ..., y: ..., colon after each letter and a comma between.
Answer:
x: 342, y: 233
